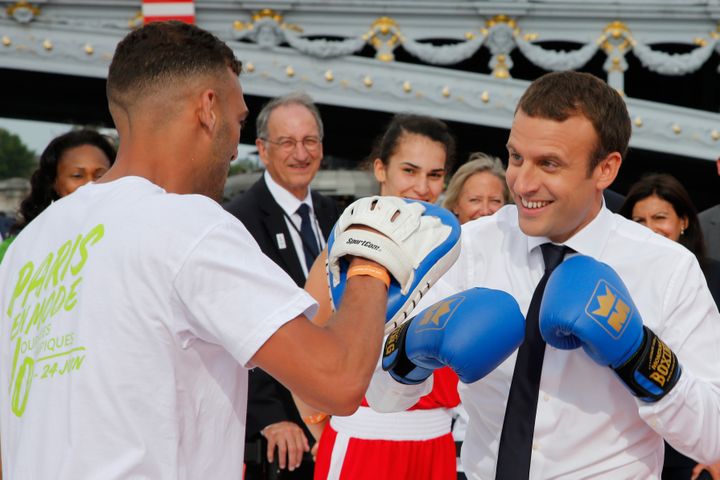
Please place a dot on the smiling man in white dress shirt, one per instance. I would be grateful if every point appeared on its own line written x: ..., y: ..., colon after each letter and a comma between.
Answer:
x: 566, y: 145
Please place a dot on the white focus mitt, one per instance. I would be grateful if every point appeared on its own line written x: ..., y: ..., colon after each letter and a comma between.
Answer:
x: 417, y: 242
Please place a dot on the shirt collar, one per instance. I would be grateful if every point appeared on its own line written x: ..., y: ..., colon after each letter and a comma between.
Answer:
x: 287, y: 201
x: 590, y: 240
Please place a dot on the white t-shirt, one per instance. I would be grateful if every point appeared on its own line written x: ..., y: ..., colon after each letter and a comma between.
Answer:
x: 128, y: 315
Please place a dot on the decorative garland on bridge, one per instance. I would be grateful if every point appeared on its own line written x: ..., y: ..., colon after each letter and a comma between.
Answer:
x: 500, y: 35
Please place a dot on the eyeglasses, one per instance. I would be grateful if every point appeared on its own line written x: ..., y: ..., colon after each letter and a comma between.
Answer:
x: 311, y: 144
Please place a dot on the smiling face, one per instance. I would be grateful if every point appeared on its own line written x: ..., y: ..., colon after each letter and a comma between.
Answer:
x: 415, y: 170
x: 548, y: 175
x: 293, y: 150
x: 659, y: 216
x: 78, y: 166
x: 482, y: 194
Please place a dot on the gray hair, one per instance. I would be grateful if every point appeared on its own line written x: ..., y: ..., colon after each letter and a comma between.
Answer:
x: 478, y: 162
x: 294, y: 98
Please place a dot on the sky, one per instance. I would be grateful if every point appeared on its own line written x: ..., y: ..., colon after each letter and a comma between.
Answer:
x: 35, y: 135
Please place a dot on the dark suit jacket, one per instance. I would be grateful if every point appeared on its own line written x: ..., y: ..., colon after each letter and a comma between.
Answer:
x: 710, y: 222
x: 613, y: 200
x: 712, y: 275
x: 268, y: 401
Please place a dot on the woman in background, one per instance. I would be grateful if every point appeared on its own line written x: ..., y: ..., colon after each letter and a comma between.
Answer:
x: 661, y: 203
x: 68, y: 162
x: 477, y: 188
x: 409, y: 161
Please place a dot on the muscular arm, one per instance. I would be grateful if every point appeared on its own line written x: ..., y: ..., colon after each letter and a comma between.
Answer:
x: 317, y: 286
x: 330, y: 367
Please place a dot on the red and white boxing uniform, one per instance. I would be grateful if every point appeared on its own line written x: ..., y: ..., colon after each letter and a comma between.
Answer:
x: 416, y: 443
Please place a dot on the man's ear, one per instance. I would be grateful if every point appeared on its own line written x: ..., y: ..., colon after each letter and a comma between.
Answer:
x: 262, y: 150
x: 206, y: 111
x: 607, y: 170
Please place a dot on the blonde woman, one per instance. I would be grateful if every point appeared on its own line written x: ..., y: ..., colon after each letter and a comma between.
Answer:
x: 478, y: 188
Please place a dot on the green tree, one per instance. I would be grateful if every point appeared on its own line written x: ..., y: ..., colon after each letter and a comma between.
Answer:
x: 16, y: 160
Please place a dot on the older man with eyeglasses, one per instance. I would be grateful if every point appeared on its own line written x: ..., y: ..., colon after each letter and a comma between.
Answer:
x: 291, y: 224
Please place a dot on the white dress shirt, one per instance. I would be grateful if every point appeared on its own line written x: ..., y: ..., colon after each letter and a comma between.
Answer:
x: 588, y: 424
x: 289, y: 203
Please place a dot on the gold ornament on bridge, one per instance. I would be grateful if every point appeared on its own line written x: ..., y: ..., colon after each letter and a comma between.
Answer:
x: 6, y: 41
x: 23, y: 11
x: 88, y: 49
x: 249, y: 67
x: 47, y: 45
x: 407, y: 88
x: 715, y: 135
x: 497, y: 19
x: 384, y: 35
x: 289, y: 71
x: 329, y: 76
x: 446, y: 92
x: 676, y: 128
x: 716, y: 33
x: 501, y: 69
x: 240, y: 25
x: 485, y: 96
x: 267, y: 13
x: 616, y: 35
x: 136, y: 21
x: 367, y: 81
x: 502, y: 32
x: 638, y: 121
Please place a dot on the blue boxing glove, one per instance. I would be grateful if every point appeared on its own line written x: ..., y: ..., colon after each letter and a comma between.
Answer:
x: 415, y: 241
x: 472, y: 332
x: 587, y: 304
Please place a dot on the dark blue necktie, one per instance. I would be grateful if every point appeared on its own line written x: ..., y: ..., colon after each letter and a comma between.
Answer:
x: 310, y: 245
x: 519, y: 426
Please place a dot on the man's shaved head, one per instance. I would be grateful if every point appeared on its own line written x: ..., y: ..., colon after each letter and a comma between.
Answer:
x: 160, y: 55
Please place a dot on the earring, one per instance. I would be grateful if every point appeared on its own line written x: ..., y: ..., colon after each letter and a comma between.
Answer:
x: 682, y: 231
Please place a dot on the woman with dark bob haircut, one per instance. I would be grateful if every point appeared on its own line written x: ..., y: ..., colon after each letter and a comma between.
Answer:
x: 68, y: 162
x: 671, y: 211
x: 661, y: 203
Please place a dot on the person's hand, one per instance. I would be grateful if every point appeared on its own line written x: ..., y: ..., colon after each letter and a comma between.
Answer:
x: 713, y: 470
x: 290, y: 441
x: 586, y: 304
x: 415, y: 242
x: 314, y: 450
x: 471, y: 332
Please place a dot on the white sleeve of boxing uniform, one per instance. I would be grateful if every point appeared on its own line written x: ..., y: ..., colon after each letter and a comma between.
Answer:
x: 385, y: 394
x: 689, y: 416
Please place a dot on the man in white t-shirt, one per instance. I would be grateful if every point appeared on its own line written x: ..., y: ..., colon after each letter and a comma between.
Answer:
x: 131, y: 309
